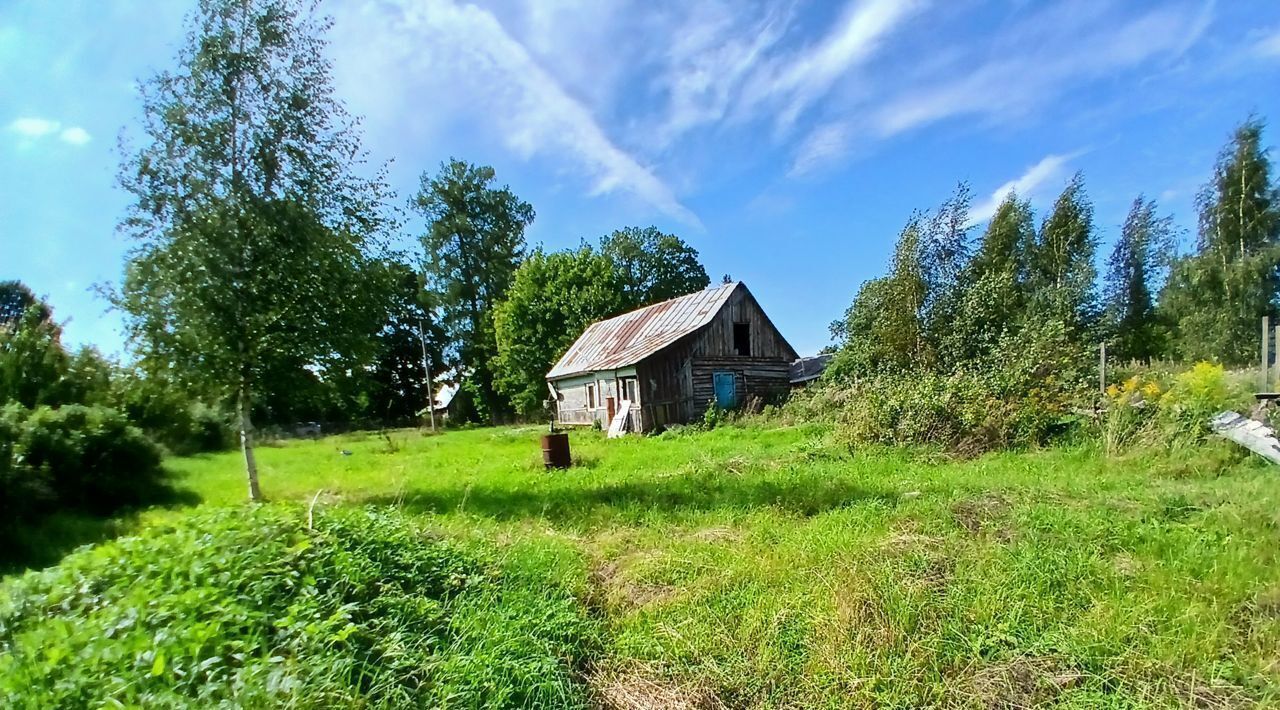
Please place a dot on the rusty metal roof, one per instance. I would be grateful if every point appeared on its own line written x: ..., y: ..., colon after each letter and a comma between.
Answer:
x: 627, y: 339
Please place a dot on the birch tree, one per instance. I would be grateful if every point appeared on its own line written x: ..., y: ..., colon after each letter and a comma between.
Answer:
x: 253, y: 235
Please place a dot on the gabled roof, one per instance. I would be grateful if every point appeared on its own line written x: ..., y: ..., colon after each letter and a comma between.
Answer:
x: 809, y: 368
x: 627, y: 339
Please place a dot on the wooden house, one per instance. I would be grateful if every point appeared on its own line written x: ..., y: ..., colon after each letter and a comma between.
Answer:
x: 666, y: 363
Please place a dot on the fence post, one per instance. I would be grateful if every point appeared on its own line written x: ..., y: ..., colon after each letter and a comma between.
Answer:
x: 1102, y: 367
x: 1266, y: 359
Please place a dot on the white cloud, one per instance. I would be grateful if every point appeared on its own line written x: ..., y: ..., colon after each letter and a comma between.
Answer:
x: 715, y: 48
x: 825, y: 145
x: 74, y: 135
x: 30, y: 127
x: 1269, y: 46
x: 1025, y: 185
x: 1048, y: 54
x: 470, y: 64
x: 800, y: 80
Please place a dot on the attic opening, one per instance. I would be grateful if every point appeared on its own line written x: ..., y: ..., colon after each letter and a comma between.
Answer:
x: 742, y: 339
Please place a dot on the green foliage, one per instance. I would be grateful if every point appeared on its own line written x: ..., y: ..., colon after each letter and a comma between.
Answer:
x: 33, y: 363
x: 15, y: 298
x: 1216, y: 296
x: 904, y: 319
x: 473, y: 244
x: 653, y: 266
x: 1136, y: 270
x: 88, y: 459
x: 1062, y: 273
x: 397, y: 386
x: 251, y: 608
x: 553, y: 298
x: 170, y: 416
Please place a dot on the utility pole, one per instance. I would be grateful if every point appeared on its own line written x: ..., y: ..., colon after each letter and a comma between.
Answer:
x: 426, y: 367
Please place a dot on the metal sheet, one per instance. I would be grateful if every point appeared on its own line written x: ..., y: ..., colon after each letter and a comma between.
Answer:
x: 631, y: 337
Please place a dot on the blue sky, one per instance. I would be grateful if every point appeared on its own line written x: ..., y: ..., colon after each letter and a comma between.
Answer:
x: 787, y: 141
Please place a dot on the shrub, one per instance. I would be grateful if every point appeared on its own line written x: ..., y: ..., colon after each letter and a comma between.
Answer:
x: 1195, y: 396
x: 83, y: 458
x: 251, y: 608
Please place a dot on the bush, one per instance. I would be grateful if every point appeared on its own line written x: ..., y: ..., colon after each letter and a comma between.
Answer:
x: 251, y: 608
x: 83, y: 458
x: 1160, y: 408
x: 964, y: 412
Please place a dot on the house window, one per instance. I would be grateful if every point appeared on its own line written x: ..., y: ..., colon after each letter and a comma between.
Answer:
x: 742, y: 339
x: 591, y: 396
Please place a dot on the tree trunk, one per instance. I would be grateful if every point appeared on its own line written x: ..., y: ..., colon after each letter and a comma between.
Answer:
x: 246, y: 445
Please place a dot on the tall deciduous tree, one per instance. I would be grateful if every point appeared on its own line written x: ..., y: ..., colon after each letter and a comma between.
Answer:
x: 474, y: 242
x: 1216, y: 296
x: 33, y: 363
x: 994, y: 292
x: 1136, y: 270
x: 553, y: 299
x: 254, y: 233
x: 654, y: 266
x: 15, y: 299
x: 1062, y: 273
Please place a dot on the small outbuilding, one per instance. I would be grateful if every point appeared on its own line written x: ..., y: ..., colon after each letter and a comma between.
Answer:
x: 667, y: 363
x: 808, y: 369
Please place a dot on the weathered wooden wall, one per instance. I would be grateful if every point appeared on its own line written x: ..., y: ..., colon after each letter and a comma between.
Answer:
x: 677, y: 382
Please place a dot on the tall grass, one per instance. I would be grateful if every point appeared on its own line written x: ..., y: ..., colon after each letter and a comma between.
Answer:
x: 774, y: 566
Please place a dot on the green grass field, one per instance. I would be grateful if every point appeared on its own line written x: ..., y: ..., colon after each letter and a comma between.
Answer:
x: 767, y: 567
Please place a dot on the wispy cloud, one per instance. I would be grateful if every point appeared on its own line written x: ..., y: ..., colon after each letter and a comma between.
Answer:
x: 1055, y: 54
x: 1268, y: 47
x: 483, y: 72
x: 1025, y: 185
x: 799, y: 80
x: 32, y: 128
x: 715, y: 49
x: 827, y: 144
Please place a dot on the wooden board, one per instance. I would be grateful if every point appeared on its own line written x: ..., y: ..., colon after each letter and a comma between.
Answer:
x: 618, y: 426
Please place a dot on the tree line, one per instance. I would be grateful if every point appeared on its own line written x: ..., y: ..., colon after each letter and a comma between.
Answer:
x: 954, y: 301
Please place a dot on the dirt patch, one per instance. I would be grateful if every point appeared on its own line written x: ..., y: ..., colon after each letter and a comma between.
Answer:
x: 714, y: 535
x: 1126, y: 565
x: 1023, y: 682
x: 641, y: 690
x: 1212, y: 695
x: 1266, y: 606
x: 612, y: 587
x: 982, y: 514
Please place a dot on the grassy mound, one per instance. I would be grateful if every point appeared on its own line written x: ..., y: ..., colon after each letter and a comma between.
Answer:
x: 250, y: 608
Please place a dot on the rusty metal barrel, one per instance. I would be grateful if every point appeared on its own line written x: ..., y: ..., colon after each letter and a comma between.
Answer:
x: 555, y: 450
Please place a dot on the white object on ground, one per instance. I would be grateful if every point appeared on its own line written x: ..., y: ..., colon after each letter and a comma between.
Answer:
x: 1253, y: 435
x: 618, y: 426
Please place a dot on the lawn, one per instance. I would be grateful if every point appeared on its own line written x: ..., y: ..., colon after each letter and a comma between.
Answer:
x: 768, y: 567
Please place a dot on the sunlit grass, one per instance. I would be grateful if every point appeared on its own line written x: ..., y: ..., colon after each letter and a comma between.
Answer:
x: 768, y: 567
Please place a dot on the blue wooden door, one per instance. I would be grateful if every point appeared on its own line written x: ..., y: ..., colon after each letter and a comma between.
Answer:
x: 726, y: 389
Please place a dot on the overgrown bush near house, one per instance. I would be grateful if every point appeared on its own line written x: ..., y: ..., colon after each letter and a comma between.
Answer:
x: 253, y: 608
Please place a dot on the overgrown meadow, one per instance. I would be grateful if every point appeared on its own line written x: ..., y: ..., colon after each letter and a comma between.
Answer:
x: 753, y: 565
